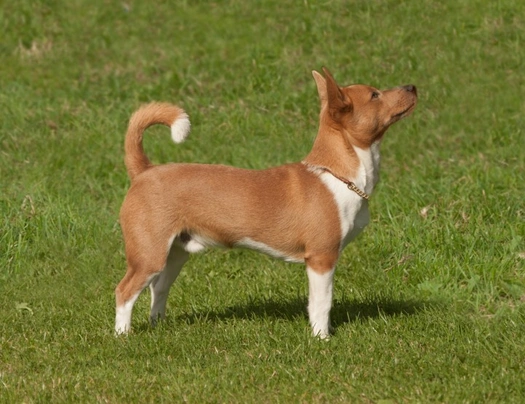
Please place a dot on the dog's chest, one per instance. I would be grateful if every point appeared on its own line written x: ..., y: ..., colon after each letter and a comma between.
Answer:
x: 353, y: 209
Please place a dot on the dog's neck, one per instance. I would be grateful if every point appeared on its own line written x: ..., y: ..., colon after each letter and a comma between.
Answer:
x: 368, y: 176
x: 333, y: 150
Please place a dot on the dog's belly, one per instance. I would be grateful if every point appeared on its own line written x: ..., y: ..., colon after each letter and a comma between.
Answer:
x: 266, y: 249
x: 197, y: 244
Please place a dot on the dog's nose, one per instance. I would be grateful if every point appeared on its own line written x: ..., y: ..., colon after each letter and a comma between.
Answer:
x: 410, y: 88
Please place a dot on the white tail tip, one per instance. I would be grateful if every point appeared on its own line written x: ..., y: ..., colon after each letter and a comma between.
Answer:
x: 180, y: 128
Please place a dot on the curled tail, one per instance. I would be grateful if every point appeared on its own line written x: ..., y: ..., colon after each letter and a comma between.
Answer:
x: 146, y: 116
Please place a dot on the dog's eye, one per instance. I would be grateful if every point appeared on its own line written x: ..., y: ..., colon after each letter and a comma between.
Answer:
x: 375, y: 95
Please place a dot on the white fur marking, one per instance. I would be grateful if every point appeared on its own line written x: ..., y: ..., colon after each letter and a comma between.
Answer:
x: 247, y: 242
x: 320, y: 301
x: 180, y: 128
x: 193, y: 246
x: 198, y: 244
x: 368, y: 174
x: 123, y: 316
x: 353, y: 210
x: 350, y: 206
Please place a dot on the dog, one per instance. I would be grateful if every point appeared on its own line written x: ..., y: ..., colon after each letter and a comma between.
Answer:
x: 304, y: 212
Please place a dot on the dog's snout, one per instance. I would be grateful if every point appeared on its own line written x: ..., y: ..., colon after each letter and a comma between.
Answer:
x: 410, y: 88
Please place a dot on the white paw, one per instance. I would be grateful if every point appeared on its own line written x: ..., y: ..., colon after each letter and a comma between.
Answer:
x: 119, y: 331
x: 323, y: 334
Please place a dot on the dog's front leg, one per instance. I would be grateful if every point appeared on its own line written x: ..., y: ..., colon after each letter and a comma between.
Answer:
x: 320, y: 299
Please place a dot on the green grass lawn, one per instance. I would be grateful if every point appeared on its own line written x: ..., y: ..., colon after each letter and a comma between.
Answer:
x: 429, y: 300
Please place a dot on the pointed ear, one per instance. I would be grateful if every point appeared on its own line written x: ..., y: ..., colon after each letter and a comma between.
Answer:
x: 321, y: 87
x: 335, y: 97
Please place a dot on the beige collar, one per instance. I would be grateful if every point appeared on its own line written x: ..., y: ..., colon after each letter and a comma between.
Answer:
x: 349, y: 184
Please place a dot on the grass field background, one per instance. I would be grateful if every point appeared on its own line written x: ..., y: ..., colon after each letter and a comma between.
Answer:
x: 429, y: 300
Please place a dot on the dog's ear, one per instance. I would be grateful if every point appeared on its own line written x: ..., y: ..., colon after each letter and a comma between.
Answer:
x: 337, y: 102
x: 321, y: 87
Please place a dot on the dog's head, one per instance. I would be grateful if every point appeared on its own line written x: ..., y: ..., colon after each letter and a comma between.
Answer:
x: 362, y: 112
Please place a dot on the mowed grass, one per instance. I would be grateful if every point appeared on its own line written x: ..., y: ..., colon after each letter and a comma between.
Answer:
x: 429, y: 300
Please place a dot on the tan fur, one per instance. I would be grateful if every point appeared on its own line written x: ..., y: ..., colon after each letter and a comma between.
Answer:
x: 287, y: 208
x: 149, y: 115
x: 226, y: 204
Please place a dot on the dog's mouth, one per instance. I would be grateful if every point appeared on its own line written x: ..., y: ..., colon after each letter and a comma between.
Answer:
x: 403, y: 113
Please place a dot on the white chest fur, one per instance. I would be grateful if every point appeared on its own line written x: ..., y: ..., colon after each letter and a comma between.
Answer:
x: 353, y: 210
x: 368, y: 173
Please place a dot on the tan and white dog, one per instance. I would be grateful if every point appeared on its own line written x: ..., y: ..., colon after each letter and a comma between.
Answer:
x: 303, y: 212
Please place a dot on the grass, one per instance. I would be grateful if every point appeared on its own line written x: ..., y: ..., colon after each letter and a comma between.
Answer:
x: 429, y: 301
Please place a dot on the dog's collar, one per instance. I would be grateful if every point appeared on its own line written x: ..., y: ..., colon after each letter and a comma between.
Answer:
x: 351, y: 186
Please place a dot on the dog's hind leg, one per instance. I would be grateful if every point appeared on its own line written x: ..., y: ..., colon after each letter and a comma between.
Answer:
x: 320, y: 281
x: 145, y: 262
x: 160, y: 285
x: 126, y: 293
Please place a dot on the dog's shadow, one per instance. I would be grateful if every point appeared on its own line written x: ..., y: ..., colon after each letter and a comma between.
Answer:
x: 343, y: 311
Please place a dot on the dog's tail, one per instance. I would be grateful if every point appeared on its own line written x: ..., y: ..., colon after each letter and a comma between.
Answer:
x: 146, y: 116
